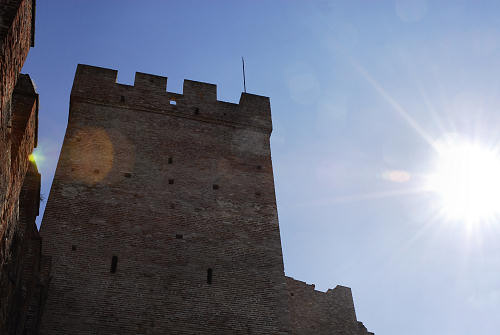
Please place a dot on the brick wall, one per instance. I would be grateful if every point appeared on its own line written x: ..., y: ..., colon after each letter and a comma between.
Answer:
x: 16, y: 37
x: 19, y: 244
x: 19, y: 240
x: 316, y: 313
x: 162, y: 219
x: 15, y: 40
x: 180, y: 189
x: 24, y: 272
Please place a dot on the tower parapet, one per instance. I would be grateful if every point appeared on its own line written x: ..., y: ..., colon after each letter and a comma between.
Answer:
x: 149, y: 93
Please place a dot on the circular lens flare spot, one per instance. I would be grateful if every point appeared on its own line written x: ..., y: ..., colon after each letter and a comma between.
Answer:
x: 92, y: 155
x: 467, y: 180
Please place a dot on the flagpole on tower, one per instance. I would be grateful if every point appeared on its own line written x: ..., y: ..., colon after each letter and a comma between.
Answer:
x: 244, y: 79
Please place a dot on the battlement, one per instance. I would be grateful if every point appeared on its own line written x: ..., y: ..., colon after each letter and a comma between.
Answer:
x: 149, y: 93
x: 150, y: 82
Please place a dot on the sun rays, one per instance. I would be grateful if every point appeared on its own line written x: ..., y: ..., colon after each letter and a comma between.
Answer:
x: 463, y: 184
x: 395, y: 105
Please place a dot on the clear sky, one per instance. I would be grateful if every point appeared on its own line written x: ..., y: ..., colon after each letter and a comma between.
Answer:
x: 361, y: 92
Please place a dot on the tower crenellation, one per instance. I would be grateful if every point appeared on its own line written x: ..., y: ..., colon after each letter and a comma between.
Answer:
x: 149, y: 93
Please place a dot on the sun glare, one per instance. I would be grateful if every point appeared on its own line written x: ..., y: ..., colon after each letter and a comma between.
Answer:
x: 467, y: 180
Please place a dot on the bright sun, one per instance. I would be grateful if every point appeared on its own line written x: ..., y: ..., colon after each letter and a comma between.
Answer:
x: 467, y: 179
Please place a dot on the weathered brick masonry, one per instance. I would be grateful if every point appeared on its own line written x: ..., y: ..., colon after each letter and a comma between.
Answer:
x: 162, y: 218
x: 322, y: 313
x: 20, y: 257
x: 17, y: 28
x: 15, y: 40
x: 180, y: 189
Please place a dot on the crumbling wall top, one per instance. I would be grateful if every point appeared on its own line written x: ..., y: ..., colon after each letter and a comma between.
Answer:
x: 326, y: 312
x: 339, y: 292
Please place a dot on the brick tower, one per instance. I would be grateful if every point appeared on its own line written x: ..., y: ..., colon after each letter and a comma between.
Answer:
x: 162, y: 214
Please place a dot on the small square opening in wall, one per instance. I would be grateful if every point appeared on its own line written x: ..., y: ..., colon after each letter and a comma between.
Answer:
x: 173, y: 102
x: 73, y: 247
x: 114, y: 263
x: 178, y: 236
x: 170, y: 160
x: 196, y: 111
x: 209, y: 276
x: 122, y: 98
x: 259, y: 167
x: 170, y: 181
x: 127, y: 174
x: 215, y: 186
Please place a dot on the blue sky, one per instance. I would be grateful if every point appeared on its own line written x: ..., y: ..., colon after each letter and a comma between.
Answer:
x: 359, y: 91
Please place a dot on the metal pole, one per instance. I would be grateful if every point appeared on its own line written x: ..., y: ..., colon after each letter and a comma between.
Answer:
x: 244, y: 79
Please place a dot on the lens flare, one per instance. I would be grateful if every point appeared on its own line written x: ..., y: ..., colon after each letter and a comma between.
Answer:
x: 36, y: 157
x: 92, y: 154
x: 467, y: 179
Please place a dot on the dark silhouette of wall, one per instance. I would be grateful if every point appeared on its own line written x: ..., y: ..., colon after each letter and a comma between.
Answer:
x: 21, y: 280
x: 162, y: 218
x: 162, y: 215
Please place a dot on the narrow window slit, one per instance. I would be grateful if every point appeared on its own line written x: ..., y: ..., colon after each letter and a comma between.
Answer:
x: 122, y: 99
x: 114, y: 263
x: 209, y: 276
x: 170, y: 160
x: 196, y: 111
x: 178, y: 236
x: 170, y: 181
x: 73, y: 247
x: 127, y: 174
x: 215, y: 186
x: 173, y: 102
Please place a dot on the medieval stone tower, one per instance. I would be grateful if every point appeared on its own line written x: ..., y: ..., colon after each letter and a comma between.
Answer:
x: 162, y: 219
x: 162, y: 214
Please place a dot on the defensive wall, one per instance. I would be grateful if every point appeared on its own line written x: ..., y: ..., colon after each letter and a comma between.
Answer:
x: 162, y: 213
x: 21, y: 262
x: 314, y: 312
x: 162, y: 218
x: 149, y: 93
